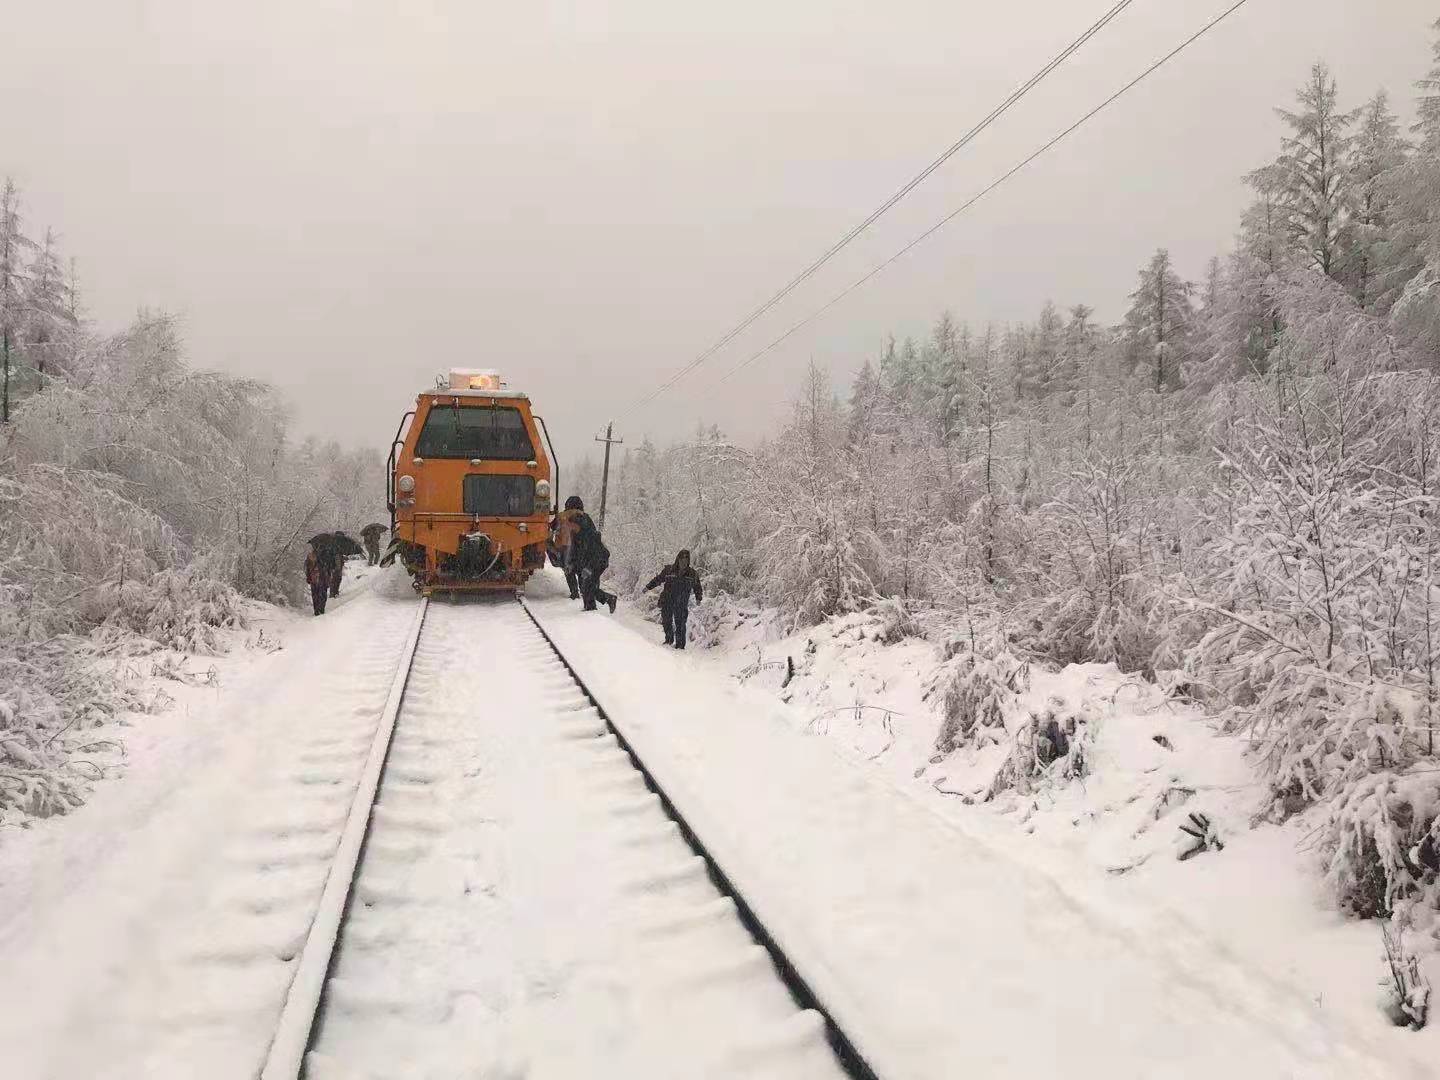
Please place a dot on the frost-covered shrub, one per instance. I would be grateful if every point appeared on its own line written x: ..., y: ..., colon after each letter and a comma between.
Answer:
x: 51, y: 693
x: 65, y: 533
x: 1407, y: 999
x: 1052, y: 744
x: 137, y: 495
x: 975, y: 690
x: 1382, y: 843
x: 1114, y: 529
x: 76, y: 553
x: 205, y: 455
x: 180, y: 609
x: 894, y: 620
x: 1316, y: 584
x: 816, y: 561
x: 36, y: 778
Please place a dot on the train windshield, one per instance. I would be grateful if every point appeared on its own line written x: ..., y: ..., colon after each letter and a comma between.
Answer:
x: 493, y: 432
x: 500, y: 496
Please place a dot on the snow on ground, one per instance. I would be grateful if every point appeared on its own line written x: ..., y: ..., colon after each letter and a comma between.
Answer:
x: 1152, y: 763
x: 525, y: 909
x: 150, y: 933
x: 947, y: 942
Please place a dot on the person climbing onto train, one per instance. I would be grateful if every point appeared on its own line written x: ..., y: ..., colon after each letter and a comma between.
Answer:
x: 677, y: 582
x: 589, y: 557
x: 562, y: 532
x: 317, y: 576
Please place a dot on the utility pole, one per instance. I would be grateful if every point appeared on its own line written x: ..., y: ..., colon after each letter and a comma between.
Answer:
x: 609, y: 440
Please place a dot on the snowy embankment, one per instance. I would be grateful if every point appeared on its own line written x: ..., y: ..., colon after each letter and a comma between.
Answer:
x: 151, y: 932
x: 944, y: 941
x: 1150, y: 762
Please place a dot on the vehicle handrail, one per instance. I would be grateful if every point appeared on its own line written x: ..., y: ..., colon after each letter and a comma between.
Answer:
x: 554, y: 463
x: 398, y: 441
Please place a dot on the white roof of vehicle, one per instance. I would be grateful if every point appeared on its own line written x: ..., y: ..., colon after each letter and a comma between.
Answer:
x: 475, y: 382
x: 517, y: 395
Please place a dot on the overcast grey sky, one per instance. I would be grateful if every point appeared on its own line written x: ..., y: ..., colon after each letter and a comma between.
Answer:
x: 345, y: 198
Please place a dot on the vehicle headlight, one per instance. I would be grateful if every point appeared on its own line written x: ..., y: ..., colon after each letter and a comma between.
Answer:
x: 542, y: 490
x: 406, y: 484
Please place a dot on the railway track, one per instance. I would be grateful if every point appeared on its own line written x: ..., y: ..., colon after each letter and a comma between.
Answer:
x: 514, y: 895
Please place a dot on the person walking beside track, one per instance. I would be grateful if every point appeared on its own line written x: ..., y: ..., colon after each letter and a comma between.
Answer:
x: 371, y: 534
x: 317, y: 576
x: 679, y: 580
x: 341, y: 547
x: 589, y: 557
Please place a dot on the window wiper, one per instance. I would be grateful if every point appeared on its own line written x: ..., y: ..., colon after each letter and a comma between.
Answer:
x: 455, y: 421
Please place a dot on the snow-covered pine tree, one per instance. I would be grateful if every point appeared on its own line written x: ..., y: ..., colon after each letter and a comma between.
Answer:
x: 51, y: 318
x: 1247, y: 329
x: 956, y: 390
x: 1313, y: 163
x: 906, y: 379
x: 866, y: 401
x: 1239, y: 329
x: 1379, y: 150
x: 14, y: 245
x: 1427, y: 107
x: 1013, y: 362
x: 1210, y: 291
x: 888, y: 367
x: 1207, y: 366
x: 989, y: 379
x: 1159, y: 324
x: 941, y: 359
x: 817, y: 556
x: 1045, y: 352
x: 1078, y: 371
x: 1413, y: 251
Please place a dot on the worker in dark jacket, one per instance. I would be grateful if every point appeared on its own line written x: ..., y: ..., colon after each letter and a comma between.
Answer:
x: 371, y: 535
x: 342, y: 546
x: 589, y: 557
x: 317, y: 576
x: 677, y: 582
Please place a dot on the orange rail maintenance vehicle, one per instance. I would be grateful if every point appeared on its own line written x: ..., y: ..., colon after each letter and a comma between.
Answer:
x: 469, y: 487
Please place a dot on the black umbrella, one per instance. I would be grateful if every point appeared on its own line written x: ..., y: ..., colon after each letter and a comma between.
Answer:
x: 322, y: 538
x: 346, y: 545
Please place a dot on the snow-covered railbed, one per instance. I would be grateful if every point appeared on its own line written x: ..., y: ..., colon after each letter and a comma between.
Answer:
x: 164, y: 944
x: 937, y: 952
x: 526, y: 908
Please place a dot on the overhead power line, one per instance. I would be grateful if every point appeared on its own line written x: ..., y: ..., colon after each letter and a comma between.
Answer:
x: 880, y: 268
x: 884, y: 207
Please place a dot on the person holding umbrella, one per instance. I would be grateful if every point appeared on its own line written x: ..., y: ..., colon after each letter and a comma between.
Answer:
x: 319, y: 563
x: 371, y: 535
x: 341, y: 546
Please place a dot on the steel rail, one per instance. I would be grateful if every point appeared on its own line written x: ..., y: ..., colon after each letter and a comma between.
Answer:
x: 841, y: 1045
x: 304, y: 1001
